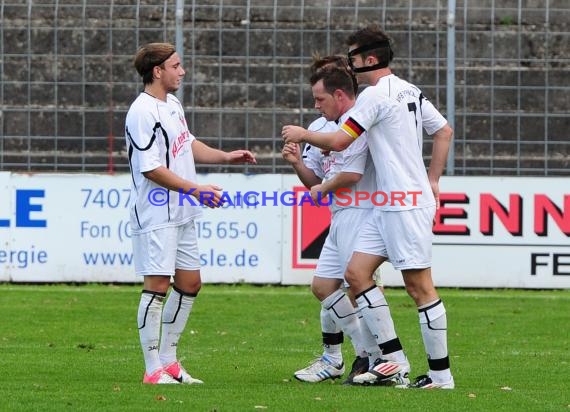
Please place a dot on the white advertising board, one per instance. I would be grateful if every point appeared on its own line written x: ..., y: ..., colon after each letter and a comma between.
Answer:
x: 511, y: 232
x: 6, y: 239
x: 491, y: 232
x: 241, y: 241
x: 69, y: 228
x: 75, y: 228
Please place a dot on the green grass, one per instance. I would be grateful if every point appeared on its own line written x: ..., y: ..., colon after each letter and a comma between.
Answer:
x: 76, y: 348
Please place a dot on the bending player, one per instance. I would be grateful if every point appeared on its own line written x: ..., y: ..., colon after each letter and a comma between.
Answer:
x: 325, y: 173
x: 391, y: 113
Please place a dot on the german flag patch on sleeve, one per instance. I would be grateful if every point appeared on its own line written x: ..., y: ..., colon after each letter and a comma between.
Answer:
x: 352, y: 127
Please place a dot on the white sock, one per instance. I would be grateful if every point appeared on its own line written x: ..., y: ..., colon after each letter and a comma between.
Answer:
x: 433, y: 324
x: 148, y: 320
x: 344, y: 315
x: 370, y: 346
x: 332, y: 338
x: 376, y: 313
x: 174, y: 318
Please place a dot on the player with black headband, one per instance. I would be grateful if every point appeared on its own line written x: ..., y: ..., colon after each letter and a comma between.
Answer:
x: 392, y: 114
x: 374, y: 47
x: 324, y: 172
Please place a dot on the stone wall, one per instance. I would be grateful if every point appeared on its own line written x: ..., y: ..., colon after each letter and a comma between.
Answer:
x: 67, y: 77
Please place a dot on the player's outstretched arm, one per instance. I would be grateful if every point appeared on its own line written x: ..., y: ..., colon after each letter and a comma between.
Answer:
x: 335, y: 141
x: 342, y: 180
x: 206, y: 154
x: 209, y: 194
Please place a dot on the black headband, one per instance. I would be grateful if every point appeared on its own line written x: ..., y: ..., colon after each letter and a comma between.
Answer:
x: 160, y: 62
x: 365, y: 48
x: 166, y: 58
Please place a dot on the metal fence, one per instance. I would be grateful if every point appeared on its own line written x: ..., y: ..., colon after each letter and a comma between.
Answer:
x: 67, y: 78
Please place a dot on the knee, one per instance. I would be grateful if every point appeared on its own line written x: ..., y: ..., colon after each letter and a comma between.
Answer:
x: 188, y: 281
x: 317, y: 292
x: 189, y: 286
x: 195, y: 286
x: 157, y: 284
x: 322, y: 289
x: 351, y: 275
x: 413, y: 292
x: 421, y: 293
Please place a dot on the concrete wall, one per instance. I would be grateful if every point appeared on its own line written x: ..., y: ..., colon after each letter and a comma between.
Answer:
x: 67, y: 77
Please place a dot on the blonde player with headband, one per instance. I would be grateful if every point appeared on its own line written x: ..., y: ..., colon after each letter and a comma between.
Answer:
x: 162, y: 152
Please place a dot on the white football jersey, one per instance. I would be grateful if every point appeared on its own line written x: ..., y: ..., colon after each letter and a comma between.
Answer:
x: 157, y: 135
x: 392, y: 136
x: 324, y: 164
x: 355, y: 159
x: 420, y: 109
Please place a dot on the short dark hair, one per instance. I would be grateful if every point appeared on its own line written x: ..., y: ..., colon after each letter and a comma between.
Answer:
x: 371, y: 35
x: 334, y: 60
x: 151, y: 55
x: 335, y: 78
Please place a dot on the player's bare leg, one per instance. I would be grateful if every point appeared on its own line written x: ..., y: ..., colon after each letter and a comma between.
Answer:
x: 419, y: 286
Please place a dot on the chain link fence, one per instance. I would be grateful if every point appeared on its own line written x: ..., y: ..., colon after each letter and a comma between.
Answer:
x: 67, y: 78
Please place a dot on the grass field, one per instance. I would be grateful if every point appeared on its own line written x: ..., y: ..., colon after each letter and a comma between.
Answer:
x: 76, y: 348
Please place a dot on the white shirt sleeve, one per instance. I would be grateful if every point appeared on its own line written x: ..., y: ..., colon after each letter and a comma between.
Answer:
x: 355, y: 155
x: 432, y: 120
x: 370, y: 108
x: 312, y: 159
x: 312, y: 155
x: 142, y: 132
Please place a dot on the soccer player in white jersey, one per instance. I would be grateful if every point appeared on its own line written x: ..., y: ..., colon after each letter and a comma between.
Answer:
x: 162, y: 152
x: 390, y: 111
x: 325, y: 173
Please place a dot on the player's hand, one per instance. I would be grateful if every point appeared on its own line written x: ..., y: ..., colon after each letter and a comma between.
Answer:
x: 209, y: 195
x: 240, y: 156
x: 318, y: 195
x: 435, y: 189
x: 292, y: 134
x: 291, y: 152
